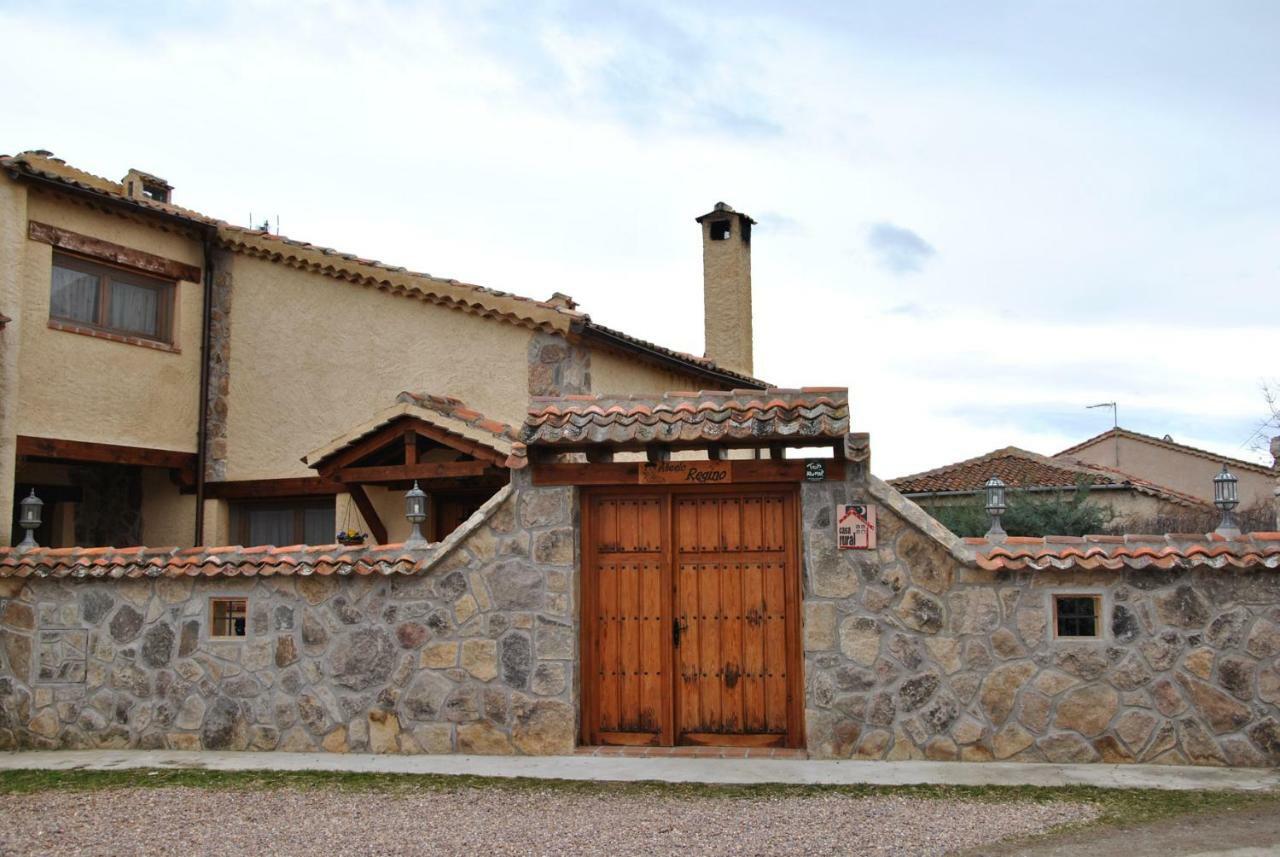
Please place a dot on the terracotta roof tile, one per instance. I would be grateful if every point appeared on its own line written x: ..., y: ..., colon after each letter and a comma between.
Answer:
x: 1022, y: 469
x: 1115, y: 553
x: 224, y: 561
x: 444, y: 412
x: 794, y: 416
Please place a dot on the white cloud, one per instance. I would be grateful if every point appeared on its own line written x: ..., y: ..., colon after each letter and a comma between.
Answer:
x: 1104, y: 237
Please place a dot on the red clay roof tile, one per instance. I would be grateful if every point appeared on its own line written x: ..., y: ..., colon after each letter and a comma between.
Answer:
x: 789, y: 416
x: 1115, y: 553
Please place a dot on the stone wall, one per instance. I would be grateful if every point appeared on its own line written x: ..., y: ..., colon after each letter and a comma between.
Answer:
x: 556, y: 367
x: 475, y: 654
x: 911, y: 654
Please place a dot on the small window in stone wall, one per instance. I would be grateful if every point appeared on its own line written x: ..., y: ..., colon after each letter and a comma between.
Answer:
x: 228, y: 618
x: 1077, y: 616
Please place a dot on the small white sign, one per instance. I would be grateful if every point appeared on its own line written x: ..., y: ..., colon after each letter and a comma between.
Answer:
x: 856, y: 526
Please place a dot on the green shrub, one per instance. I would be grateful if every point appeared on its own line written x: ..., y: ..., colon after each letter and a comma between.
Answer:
x: 1051, y: 513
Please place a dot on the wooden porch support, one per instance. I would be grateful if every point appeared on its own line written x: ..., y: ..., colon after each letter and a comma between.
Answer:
x: 376, y: 528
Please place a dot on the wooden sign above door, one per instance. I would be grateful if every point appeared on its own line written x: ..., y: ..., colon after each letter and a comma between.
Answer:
x: 686, y: 473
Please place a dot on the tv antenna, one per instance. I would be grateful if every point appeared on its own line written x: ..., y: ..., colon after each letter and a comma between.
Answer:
x: 1115, y: 411
x: 1115, y: 424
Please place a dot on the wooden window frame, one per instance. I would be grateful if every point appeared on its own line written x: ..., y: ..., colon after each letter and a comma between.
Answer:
x: 1099, y: 615
x: 215, y: 600
x: 106, y: 274
x: 240, y: 520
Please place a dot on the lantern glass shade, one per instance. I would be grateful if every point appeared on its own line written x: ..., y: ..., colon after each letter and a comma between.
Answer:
x: 995, y: 495
x: 29, y: 516
x: 1225, y: 490
x: 415, y: 504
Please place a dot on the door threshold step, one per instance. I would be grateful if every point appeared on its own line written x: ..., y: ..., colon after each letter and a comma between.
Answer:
x: 698, y: 752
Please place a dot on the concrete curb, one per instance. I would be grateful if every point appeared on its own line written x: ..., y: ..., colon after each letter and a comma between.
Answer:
x: 671, y: 770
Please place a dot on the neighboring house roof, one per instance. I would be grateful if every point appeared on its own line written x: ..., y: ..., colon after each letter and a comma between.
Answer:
x: 1168, y: 444
x: 1022, y: 469
x: 555, y: 315
x: 804, y: 416
x: 1114, y: 553
x: 444, y: 412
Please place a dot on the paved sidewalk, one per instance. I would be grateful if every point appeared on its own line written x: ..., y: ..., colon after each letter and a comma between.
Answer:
x: 684, y: 770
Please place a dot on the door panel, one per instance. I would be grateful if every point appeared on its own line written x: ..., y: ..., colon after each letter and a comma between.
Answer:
x: 629, y: 663
x: 690, y: 601
x: 731, y: 606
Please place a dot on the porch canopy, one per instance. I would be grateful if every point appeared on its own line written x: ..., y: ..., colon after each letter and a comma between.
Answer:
x: 436, y: 441
x: 742, y: 435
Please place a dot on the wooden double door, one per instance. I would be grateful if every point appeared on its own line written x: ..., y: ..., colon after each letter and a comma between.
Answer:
x: 690, y: 605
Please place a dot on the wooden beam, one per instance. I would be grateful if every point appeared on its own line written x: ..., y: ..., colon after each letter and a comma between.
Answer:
x: 254, y: 489
x: 80, y: 450
x: 410, y: 447
x: 394, y: 432
x: 613, y: 473
x: 370, y: 514
x: 657, y: 452
x: 116, y: 254
x: 628, y: 473
x: 402, y: 472
x: 599, y: 454
x: 716, y: 452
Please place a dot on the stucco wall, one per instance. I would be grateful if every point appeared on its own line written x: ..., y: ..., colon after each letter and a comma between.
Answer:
x: 136, y: 396
x: 476, y: 655
x: 613, y: 373
x: 168, y: 516
x: 910, y: 655
x: 13, y: 245
x: 313, y: 356
x: 1191, y: 474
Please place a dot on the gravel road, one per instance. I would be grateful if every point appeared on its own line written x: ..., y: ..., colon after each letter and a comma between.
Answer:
x: 168, y: 821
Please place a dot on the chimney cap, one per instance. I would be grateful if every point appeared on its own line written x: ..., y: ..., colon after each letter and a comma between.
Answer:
x: 723, y: 208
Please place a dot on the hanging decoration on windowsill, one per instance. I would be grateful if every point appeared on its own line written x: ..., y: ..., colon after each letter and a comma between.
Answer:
x: 349, y: 535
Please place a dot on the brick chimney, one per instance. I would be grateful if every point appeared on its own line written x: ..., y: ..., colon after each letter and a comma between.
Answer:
x: 726, y: 287
x: 140, y: 185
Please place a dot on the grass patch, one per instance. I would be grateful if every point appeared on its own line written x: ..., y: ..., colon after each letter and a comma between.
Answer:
x: 1115, y: 806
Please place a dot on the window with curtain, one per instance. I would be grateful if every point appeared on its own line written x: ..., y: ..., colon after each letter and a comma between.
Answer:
x: 306, y: 521
x: 111, y: 299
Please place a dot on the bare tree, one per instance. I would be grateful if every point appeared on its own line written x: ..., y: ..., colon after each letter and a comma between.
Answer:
x: 1269, y: 426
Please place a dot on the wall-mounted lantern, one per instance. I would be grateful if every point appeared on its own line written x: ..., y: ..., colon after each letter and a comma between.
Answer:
x: 995, y: 507
x: 1226, y: 497
x: 29, y: 519
x: 415, y: 509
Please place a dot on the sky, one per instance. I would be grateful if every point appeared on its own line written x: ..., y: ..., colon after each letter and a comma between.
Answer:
x: 979, y: 217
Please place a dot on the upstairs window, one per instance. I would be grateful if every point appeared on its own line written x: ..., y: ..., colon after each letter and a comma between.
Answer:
x: 109, y: 299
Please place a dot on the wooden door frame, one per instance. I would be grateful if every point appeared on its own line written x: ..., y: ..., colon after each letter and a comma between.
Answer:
x: 792, y: 593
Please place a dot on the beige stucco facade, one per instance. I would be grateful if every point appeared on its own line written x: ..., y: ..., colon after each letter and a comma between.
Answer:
x: 78, y: 387
x: 338, y: 353
x: 1165, y: 464
x: 13, y: 210
x: 305, y: 344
